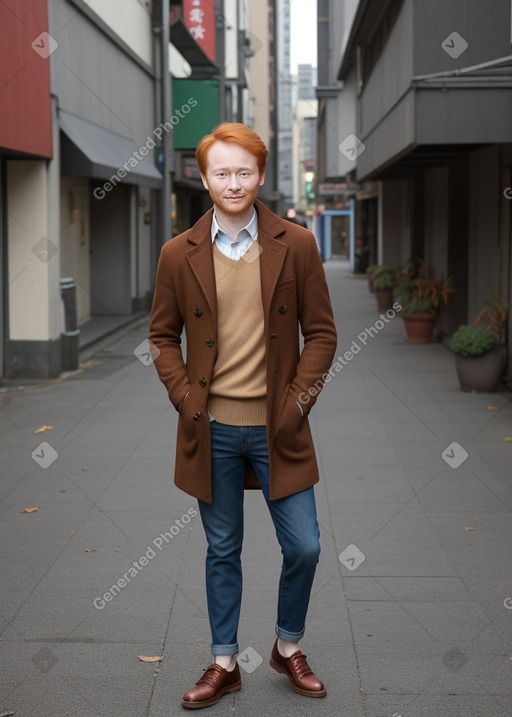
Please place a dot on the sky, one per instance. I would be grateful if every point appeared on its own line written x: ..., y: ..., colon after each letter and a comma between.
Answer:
x: 303, y: 33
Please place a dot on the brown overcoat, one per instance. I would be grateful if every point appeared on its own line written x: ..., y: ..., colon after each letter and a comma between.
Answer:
x: 295, y: 295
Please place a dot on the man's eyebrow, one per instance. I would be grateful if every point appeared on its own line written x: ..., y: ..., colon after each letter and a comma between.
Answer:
x: 227, y: 169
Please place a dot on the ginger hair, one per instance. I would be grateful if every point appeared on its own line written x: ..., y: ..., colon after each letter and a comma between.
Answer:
x: 234, y: 133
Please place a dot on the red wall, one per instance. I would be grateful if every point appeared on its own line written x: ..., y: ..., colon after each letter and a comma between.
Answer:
x: 25, y: 109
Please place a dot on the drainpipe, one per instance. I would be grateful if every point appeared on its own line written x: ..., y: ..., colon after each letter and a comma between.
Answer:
x: 167, y: 140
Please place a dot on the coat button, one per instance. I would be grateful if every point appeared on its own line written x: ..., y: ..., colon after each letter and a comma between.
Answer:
x: 197, y: 416
x: 273, y: 336
x: 209, y: 342
x: 198, y: 312
x: 202, y: 381
x: 282, y: 309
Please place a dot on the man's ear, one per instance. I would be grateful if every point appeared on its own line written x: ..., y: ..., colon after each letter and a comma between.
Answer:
x: 262, y: 179
x: 205, y: 183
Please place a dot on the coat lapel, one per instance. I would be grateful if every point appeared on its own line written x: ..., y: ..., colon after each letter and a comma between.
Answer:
x: 272, y: 254
x: 200, y: 258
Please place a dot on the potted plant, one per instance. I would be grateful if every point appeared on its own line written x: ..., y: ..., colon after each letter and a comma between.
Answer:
x: 384, y: 281
x: 478, y: 358
x: 370, y: 270
x: 421, y: 293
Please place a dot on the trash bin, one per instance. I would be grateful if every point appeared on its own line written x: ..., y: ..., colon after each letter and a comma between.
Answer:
x: 70, y: 336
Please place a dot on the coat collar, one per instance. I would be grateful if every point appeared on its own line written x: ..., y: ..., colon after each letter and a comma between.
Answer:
x: 268, y: 222
x: 273, y: 251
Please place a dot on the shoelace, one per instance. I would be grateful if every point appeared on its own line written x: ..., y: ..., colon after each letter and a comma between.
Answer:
x: 210, y: 678
x: 300, y: 665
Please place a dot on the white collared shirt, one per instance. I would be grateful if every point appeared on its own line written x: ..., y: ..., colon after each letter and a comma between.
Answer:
x: 243, y: 242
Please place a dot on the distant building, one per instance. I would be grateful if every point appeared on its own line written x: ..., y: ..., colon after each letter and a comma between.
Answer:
x: 306, y: 82
x: 284, y: 103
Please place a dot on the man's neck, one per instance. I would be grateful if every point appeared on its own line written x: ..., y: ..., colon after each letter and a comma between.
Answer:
x: 233, y: 224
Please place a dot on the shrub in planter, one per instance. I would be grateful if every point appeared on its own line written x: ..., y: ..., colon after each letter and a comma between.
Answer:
x: 478, y: 358
x: 369, y: 273
x: 421, y: 293
x: 384, y: 281
x: 472, y: 341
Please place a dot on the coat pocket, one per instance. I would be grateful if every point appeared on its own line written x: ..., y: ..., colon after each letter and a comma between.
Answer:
x: 291, y: 438
x: 285, y: 284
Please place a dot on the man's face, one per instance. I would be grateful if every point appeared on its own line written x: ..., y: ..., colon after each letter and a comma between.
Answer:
x: 232, y: 177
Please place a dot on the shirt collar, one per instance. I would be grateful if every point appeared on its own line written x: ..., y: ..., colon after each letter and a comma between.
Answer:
x: 251, y: 228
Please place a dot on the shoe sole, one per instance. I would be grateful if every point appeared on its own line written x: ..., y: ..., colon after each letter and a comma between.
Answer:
x: 212, y: 700
x: 307, y: 693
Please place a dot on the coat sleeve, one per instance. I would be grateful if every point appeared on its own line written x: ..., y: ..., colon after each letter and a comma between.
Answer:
x: 318, y: 329
x: 165, y: 330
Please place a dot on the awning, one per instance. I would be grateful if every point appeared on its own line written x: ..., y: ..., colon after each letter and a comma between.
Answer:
x: 199, y: 62
x: 88, y: 150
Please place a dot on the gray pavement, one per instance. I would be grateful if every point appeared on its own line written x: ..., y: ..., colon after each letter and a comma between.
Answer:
x: 412, y: 620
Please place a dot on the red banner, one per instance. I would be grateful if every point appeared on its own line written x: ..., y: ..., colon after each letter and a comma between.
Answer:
x: 199, y: 19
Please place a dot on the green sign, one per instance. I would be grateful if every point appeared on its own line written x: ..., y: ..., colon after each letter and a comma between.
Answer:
x: 195, y: 111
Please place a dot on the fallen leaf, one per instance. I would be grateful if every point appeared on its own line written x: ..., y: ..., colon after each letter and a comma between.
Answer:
x: 492, y: 408
x: 199, y: 639
x: 8, y: 713
x: 29, y: 510
x: 43, y: 429
x: 72, y: 532
x: 508, y: 439
x: 468, y: 528
x: 145, y: 658
x: 90, y: 550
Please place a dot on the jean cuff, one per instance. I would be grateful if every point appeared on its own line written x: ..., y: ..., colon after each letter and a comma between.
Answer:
x: 225, y: 649
x: 289, y: 636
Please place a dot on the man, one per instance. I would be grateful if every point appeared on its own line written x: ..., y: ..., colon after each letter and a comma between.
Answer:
x: 240, y: 282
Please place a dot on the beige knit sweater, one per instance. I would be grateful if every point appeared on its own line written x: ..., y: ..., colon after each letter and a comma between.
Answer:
x: 238, y: 387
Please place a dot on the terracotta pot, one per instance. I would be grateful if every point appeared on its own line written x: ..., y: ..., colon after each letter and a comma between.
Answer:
x: 384, y: 300
x: 419, y: 327
x: 480, y: 373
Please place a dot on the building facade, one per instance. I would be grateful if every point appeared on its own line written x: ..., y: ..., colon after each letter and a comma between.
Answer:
x: 415, y: 107
x: 84, y: 139
x: 79, y: 197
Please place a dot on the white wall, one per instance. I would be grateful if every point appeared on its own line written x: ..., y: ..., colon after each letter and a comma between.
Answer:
x: 74, y: 240
x: 35, y: 307
x: 231, y: 39
x: 130, y: 21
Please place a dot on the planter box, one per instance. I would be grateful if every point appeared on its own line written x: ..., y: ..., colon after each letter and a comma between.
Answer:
x: 384, y: 299
x: 419, y: 327
x: 480, y: 373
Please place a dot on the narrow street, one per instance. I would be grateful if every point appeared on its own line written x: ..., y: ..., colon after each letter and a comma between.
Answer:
x: 411, y: 614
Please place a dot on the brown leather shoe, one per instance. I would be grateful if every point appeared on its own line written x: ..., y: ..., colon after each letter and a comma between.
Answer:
x: 302, y: 678
x: 215, y: 682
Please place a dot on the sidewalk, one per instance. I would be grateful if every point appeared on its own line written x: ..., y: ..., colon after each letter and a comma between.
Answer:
x: 413, y: 620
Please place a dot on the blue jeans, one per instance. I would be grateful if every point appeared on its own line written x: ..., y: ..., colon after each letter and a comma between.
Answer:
x: 296, y: 526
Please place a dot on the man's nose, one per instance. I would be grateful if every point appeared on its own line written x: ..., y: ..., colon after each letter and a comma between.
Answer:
x: 234, y: 182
